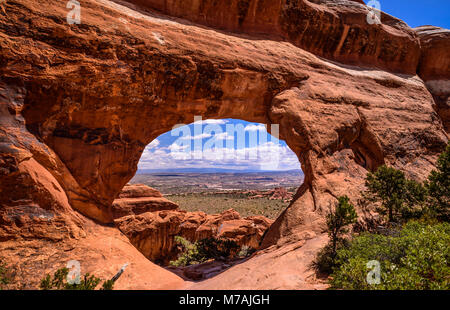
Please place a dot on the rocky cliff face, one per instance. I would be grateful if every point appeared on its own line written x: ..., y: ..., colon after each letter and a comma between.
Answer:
x: 151, y: 223
x: 79, y: 103
x: 153, y: 233
x: 333, y: 29
x: 434, y: 67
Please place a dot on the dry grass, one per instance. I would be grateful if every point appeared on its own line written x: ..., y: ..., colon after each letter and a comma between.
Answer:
x: 216, y: 203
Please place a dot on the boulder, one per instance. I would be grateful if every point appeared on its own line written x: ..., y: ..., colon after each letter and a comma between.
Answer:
x: 137, y: 199
x: 139, y: 191
x: 248, y: 231
x: 435, y: 53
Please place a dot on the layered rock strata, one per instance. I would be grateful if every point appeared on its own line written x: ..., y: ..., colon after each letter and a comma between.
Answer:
x: 153, y: 233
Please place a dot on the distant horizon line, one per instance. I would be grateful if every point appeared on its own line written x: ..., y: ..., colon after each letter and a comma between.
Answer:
x: 211, y: 170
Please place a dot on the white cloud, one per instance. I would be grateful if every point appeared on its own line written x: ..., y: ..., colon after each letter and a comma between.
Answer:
x: 212, y: 122
x: 175, y: 147
x: 197, y: 137
x: 255, y: 127
x: 153, y: 144
x: 217, y: 136
x: 270, y: 155
x: 224, y: 136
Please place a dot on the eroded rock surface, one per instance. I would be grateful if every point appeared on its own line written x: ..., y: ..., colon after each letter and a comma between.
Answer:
x: 153, y: 233
x: 138, y: 198
x: 333, y: 29
x: 102, y: 251
x: 434, y: 67
x: 79, y: 103
x: 287, y: 268
x: 139, y: 191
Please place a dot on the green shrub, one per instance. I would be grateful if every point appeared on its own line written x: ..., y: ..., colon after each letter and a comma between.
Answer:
x: 59, y: 282
x: 3, y: 275
x: 246, y: 251
x: 204, y: 250
x: 418, y: 257
x: 343, y: 215
x: 217, y: 248
x: 398, y: 196
x: 438, y: 186
x: 191, y: 254
x: 325, y: 260
x: 108, y: 285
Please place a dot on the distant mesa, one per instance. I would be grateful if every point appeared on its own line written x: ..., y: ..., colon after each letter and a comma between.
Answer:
x: 174, y: 172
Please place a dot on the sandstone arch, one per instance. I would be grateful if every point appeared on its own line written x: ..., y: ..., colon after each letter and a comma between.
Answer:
x: 79, y: 104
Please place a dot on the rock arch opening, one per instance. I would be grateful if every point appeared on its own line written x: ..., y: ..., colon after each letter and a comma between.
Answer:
x: 214, y: 179
x: 79, y: 104
x: 227, y: 146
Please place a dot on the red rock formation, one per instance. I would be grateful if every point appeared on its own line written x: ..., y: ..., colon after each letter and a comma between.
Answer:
x: 99, y: 154
x: 102, y: 251
x: 139, y: 191
x: 279, y: 193
x: 435, y: 58
x: 337, y: 31
x: 139, y: 198
x: 287, y: 267
x: 79, y: 103
x: 434, y: 67
x: 153, y: 233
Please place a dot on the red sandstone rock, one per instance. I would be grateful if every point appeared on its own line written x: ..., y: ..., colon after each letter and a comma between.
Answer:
x: 337, y: 31
x: 434, y: 67
x: 274, y: 194
x: 128, y: 206
x: 79, y: 103
x: 287, y: 267
x: 153, y: 233
x: 435, y: 58
x: 139, y: 191
x: 102, y: 252
x: 332, y: 116
x: 243, y: 232
x: 137, y: 199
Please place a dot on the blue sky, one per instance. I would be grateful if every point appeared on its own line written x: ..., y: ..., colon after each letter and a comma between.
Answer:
x: 419, y: 12
x: 224, y: 144
x: 223, y: 150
